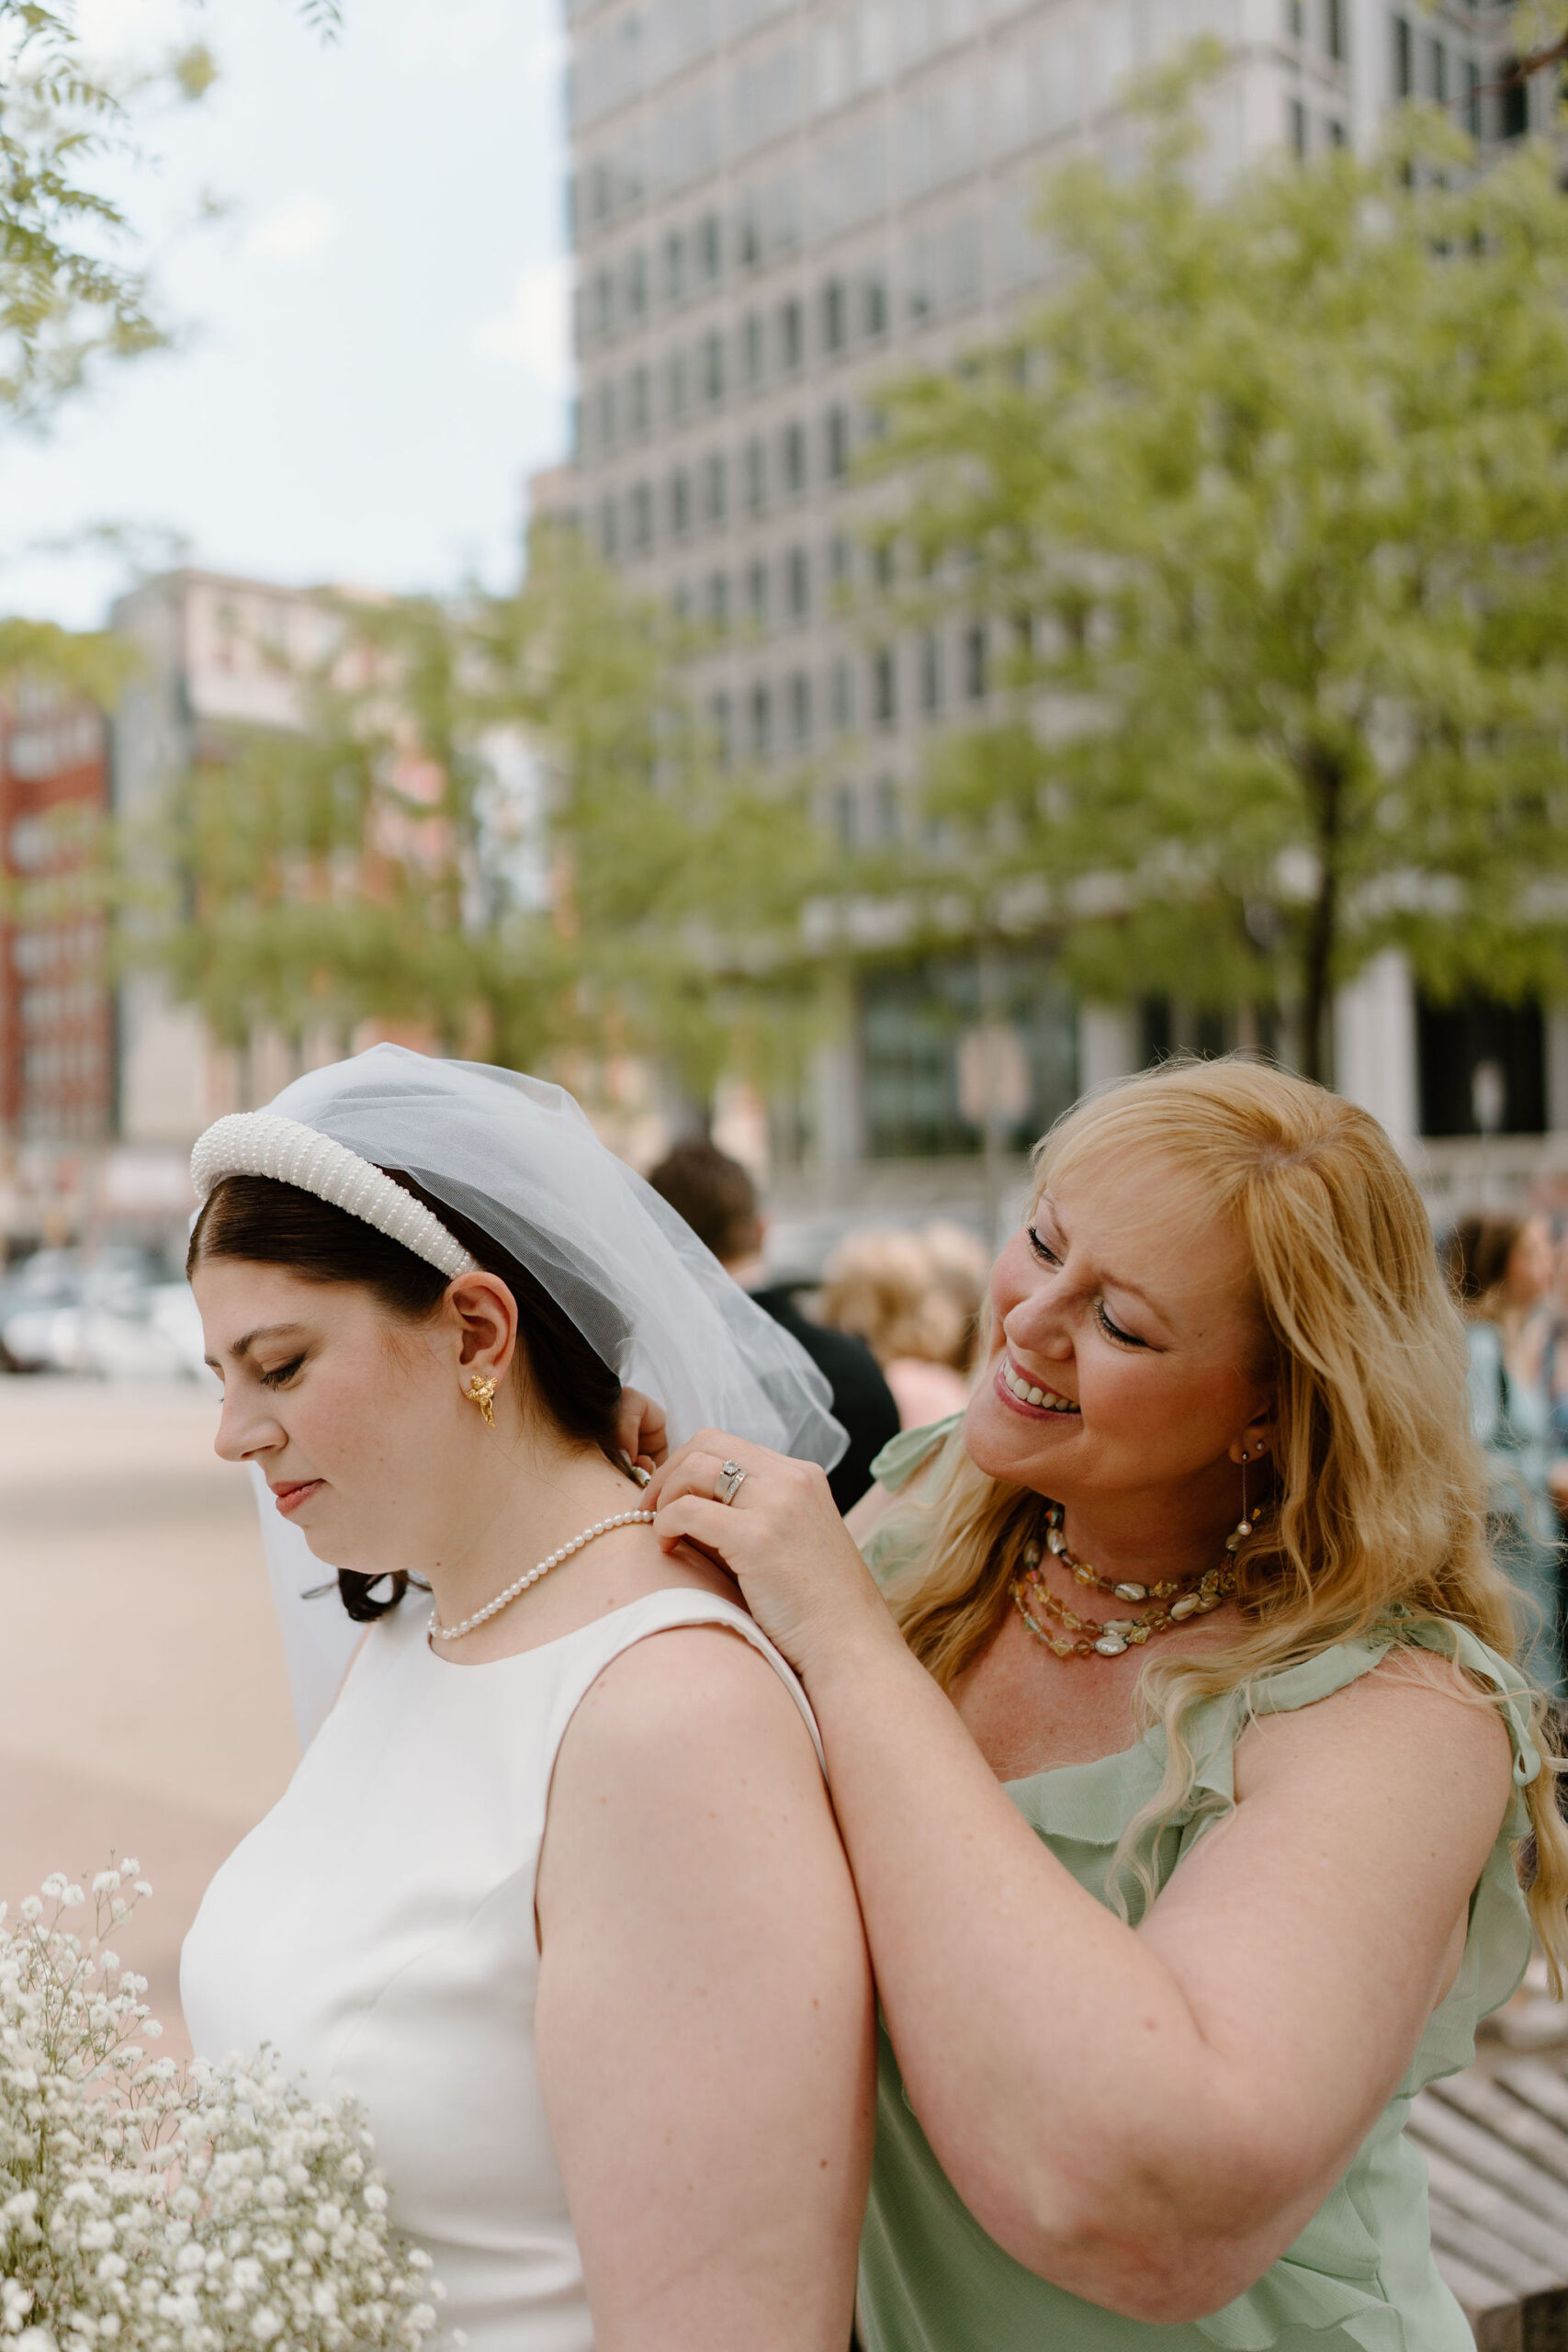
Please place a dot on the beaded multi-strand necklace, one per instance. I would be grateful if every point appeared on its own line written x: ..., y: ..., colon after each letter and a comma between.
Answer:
x: 1175, y: 1600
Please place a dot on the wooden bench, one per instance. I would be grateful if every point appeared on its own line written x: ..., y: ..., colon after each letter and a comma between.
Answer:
x: 1496, y: 2144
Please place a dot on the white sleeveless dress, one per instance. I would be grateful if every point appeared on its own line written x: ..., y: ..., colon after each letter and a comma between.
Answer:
x: 378, y: 1929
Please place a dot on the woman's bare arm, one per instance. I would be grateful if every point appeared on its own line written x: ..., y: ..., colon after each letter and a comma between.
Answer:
x: 1148, y: 2118
x: 705, y: 2013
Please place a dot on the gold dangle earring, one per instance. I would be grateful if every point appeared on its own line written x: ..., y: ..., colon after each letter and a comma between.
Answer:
x: 481, y: 1392
x: 1235, y: 1540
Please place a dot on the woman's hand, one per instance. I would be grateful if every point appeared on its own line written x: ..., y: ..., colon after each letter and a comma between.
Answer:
x: 641, y: 1430
x: 781, y: 1540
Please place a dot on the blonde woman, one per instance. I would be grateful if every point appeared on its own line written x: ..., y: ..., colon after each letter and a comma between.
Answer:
x: 1183, y: 1780
x: 887, y: 1289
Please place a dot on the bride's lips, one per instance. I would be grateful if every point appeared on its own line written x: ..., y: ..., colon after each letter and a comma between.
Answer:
x: 289, y: 1497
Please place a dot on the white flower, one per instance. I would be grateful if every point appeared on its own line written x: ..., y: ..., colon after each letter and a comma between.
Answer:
x: 30, y: 1908
x: 265, y: 2324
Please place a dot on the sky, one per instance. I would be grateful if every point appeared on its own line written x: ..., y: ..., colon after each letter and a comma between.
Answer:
x: 374, y: 346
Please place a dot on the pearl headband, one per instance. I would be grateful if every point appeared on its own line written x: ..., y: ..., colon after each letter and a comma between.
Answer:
x: 260, y: 1142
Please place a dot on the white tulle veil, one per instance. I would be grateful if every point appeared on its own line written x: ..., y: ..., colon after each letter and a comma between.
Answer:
x: 519, y: 1160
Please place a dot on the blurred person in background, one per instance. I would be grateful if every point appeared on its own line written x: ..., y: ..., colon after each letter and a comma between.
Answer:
x: 718, y: 1200
x: 1501, y: 1270
x: 887, y: 1290
x: 960, y: 1269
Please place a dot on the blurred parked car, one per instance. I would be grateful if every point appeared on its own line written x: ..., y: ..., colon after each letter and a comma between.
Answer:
x: 113, y: 1315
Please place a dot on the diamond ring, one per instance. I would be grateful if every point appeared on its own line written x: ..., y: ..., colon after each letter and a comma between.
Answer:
x: 731, y: 1477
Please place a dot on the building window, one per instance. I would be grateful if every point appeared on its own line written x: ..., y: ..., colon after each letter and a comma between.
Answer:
x: 797, y: 579
x: 837, y: 439
x: 606, y: 407
x: 640, y: 505
x: 1475, y: 1048
x: 930, y: 672
x: 640, y: 405
x: 792, y: 334
x: 1337, y: 134
x: 680, y: 503
x: 574, y: 430
x: 762, y: 722
x: 675, y: 386
x: 884, y: 686
x: 1296, y: 126
x: 793, y: 451
x: 757, y: 594
x: 609, y: 530
x: 752, y: 349
x: 710, y: 248
x: 712, y: 369
x: 1296, y: 20
x: 800, y: 710
x: 1472, y: 116
x: 975, y: 663
x: 637, y: 285
x: 841, y: 561
x: 1403, y: 58
x: 716, y: 487
x: 674, y: 266
x: 876, y: 305
x: 833, y: 328
x: 1333, y: 29
x: 755, y: 463
x: 681, y: 603
x: 1438, y: 61
x: 843, y: 696
x: 885, y: 810
x: 1515, y: 113
x: 716, y: 602
x: 722, y: 728
x: 603, y: 304
x: 844, y: 824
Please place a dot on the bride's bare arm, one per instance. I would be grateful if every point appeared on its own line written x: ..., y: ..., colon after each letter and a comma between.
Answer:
x: 704, y: 2015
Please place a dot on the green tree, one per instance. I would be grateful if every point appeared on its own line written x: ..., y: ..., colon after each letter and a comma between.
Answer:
x: 74, y: 284
x: 1268, y: 501
x: 499, y: 820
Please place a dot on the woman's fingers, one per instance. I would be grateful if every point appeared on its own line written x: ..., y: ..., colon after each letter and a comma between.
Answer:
x: 642, y: 1432
x: 697, y: 1466
x: 695, y: 1519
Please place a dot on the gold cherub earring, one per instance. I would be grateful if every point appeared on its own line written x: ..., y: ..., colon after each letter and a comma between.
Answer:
x: 481, y: 1392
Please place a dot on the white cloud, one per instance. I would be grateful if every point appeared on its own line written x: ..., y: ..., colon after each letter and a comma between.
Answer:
x: 293, y: 232
x: 534, y: 332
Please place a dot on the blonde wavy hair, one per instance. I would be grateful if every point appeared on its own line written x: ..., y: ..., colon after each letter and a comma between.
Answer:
x: 1381, y: 1489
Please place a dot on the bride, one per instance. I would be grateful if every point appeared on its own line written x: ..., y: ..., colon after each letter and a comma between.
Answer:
x: 557, y: 1890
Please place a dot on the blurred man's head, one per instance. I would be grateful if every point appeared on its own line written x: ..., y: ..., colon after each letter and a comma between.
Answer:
x: 714, y: 1196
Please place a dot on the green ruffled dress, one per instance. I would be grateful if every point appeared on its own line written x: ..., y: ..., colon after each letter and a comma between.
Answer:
x: 1361, y: 2275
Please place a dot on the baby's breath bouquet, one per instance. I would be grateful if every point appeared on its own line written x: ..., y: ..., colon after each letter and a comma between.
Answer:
x: 165, y: 2209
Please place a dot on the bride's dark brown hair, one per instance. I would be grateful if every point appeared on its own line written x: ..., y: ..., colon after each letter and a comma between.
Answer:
x: 270, y: 1224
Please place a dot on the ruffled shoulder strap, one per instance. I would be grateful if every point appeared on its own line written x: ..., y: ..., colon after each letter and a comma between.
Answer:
x: 910, y: 1450
x: 1495, y: 1673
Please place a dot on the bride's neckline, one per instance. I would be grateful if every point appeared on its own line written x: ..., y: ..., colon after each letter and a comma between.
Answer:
x: 557, y: 1641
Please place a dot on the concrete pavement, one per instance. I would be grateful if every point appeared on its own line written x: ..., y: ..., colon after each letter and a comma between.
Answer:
x: 143, y: 1704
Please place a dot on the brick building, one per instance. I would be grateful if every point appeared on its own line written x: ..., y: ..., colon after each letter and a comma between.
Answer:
x: 57, y: 1059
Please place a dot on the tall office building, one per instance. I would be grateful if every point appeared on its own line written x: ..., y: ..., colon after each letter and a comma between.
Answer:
x: 776, y: 205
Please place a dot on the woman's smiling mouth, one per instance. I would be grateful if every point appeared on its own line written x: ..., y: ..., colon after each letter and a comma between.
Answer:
x: 1021, y: 1390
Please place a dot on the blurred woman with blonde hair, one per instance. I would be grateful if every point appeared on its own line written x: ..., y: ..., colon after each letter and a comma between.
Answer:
x: 1184, y: 1765
x: 903, y: 1297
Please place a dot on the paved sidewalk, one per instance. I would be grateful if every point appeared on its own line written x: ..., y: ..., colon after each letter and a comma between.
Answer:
x: 143, y: 1702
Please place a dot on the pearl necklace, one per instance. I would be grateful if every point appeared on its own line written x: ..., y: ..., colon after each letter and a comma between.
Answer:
x: 505, y: 1599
